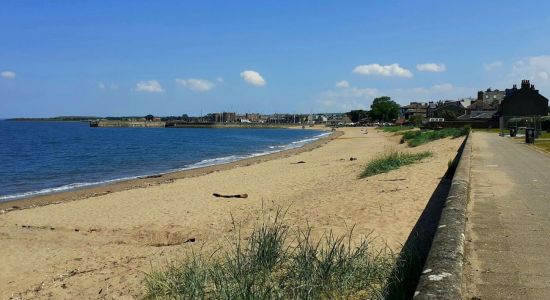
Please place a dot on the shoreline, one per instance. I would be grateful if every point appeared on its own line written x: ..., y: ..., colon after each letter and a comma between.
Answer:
x: 104, y: 246
x: 155, y: 179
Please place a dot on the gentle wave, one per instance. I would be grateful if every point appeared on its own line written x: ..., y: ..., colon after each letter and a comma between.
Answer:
x: 62, y: 188
x: 201, y: 164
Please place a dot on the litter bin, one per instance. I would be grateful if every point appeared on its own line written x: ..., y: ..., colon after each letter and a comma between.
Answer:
x: 513, y: 131
x: 529, y: 135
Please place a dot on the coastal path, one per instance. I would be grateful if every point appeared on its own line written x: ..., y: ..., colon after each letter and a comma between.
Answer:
x: 508, y: 226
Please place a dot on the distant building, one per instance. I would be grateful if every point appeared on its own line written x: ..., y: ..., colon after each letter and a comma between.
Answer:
x: 317, y: 119
x: 224, y: 117
x: 525, y: 101
x: 467, y: 101
x: 480, y: 110
x: 254, y: 118
x: 414, y: 109
x: 448, y: 110
x: 491, y: 96
x: 338, y: 120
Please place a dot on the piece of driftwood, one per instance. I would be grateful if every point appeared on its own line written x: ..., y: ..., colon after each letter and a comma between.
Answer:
x: 230, y: 196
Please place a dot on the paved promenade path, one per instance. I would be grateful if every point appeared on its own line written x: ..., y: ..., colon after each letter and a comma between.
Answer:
x: 507, y: 250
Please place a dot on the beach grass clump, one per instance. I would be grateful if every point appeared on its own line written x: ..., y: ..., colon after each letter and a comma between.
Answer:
x: 417, y: 138
x: 395, y: 128
x: 391, y: 161
x: 269, y: 264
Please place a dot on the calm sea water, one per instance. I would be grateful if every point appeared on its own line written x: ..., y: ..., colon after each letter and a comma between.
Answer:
x: 44, y: 157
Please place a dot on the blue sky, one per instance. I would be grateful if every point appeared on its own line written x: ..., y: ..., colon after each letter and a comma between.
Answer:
x: 174, y: 57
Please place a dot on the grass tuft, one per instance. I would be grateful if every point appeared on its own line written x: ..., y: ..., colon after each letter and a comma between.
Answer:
x: 416, y: 138
x: 395, y: 128
x: 392, y: 161
x: 265, y: 266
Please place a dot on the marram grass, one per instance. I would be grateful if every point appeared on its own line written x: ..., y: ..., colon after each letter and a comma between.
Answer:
x: 270, y: 264
x: 417, y: 138
x: 392, y: 161
x: 396, y: 128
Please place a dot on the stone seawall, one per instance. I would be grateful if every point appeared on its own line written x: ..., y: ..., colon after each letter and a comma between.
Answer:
x: 107, y: 123
x: 442, y: 273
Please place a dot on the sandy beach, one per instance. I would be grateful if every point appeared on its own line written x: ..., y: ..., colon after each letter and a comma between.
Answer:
x: 92, y: 244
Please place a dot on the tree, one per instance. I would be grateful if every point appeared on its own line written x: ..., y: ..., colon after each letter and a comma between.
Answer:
x: 149, y: 118
x: 384, y: 109
x: 416, y: 120
x: 448, y: 115
x: 357, y: 115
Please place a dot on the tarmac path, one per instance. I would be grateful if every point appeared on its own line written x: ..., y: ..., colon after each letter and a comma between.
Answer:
x: 507, y: 248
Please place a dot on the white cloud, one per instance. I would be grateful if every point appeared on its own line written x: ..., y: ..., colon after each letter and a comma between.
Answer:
x: 150, y: 86
x: 199, y: 85
x: 431, y: 67
x: 343, y: 84
x: 345, y: 99
x: 253, y: 77
x: 8, y: 74
x: 387, y: 70
x: 492, y: 65
x: 104, y: 86
x: 535, y: 68
x: 437, y: 88
x: 219, y: 79
x: 444, y: 91
x: 445, y: 87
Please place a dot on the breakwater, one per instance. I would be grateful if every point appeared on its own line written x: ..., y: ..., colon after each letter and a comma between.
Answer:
x: 179, y: 124
x: 124, y: 124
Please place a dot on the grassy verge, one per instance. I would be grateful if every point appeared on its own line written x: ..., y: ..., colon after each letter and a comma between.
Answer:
x: 395, y: 128
x: 493, y: 130
x: 269, y: 264
x: 392, y: 161
x: 542, y: 145
x: 416, y: 138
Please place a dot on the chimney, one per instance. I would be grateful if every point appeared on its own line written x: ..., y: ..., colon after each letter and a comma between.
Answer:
x: 525, y: 84
x: 480, y: 95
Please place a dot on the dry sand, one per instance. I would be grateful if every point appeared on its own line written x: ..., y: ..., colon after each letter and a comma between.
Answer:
x: 100, y: 247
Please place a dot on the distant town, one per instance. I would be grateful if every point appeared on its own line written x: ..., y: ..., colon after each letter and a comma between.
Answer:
x: 484, y: 111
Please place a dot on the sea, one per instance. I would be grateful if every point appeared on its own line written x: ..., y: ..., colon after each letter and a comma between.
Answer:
x: 39, y: 158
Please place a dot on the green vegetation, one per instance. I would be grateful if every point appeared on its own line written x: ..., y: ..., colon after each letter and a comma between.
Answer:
x: 417, y: 120
x: 356, y: 115
x: 392, y: 161
x: 381, y: 109
x: 395, y: 128
x: 542, y: 145
x: 271, y: 265
x: 416, y: 138
x: 493, y: 130
x: 384, y: 109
